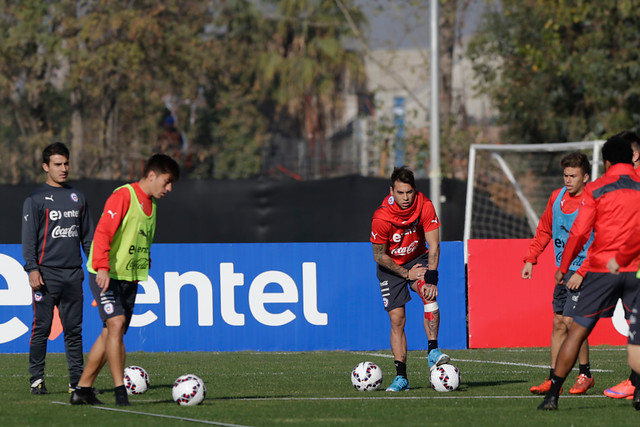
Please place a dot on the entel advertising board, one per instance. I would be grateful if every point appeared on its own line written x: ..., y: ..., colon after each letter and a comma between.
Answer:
x: 264, y: 297
x: 508, y: 311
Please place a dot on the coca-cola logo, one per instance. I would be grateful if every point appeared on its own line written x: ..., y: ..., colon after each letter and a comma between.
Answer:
x: 405, y: 250
x: 137, y: 264
x: 61, y: 232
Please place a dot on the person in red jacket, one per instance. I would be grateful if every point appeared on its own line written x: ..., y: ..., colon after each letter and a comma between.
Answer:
x: 554, y: 225
x: 626, y: 389
x: 401, y: 226
x: 609, y: 210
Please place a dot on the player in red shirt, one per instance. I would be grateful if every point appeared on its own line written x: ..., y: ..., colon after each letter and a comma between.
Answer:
x: 610, y: 211
x: 626, y: 388
x: 401, y: 226
x: 554, y: 225
x: 119, y: 259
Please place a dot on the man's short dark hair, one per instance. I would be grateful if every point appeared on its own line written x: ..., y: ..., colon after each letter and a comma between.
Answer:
x: 53, y: 149
x: 161, y: 163
x: 632, y: 137
x: 617, y: 149
x: 403, y: 174
x: 576, y: 160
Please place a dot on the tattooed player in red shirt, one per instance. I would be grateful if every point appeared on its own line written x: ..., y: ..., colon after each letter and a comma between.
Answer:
x: 401, y: 226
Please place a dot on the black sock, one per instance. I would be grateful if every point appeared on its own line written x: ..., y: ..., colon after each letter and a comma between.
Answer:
x: 556, y: 385
x: 550, y: 373
x: 121, y: 396
x: 635, y: 379
x: 433, y: 344
x: 586, y: 369
x: 401, y: 368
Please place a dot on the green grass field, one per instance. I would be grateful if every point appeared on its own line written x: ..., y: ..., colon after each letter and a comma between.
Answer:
x: 314, y: 389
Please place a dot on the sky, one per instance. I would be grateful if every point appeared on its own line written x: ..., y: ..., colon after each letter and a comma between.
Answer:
x: 397, y: 24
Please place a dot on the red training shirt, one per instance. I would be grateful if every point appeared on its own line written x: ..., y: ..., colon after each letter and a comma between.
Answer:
x: 610, y: 208
x: 115, y: 209
x: 405, y: 241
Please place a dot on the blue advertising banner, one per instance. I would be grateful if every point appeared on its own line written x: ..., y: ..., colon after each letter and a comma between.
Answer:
x: 245, y: 296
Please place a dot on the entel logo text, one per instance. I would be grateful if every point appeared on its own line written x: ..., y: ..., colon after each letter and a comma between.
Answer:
x: 18, y: 292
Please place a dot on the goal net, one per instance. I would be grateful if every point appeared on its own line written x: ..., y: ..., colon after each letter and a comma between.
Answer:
x: 508, y: 186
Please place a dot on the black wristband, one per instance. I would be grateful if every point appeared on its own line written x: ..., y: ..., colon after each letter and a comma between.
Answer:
x: 431, y: 277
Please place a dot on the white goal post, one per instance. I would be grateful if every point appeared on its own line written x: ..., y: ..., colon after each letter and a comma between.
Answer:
x: 508, y: 186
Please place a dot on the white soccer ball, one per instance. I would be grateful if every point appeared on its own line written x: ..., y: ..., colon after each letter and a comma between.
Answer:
x: 188, y: 390
x: 445, y: 378
x: 366, y: 376
x: 136, y: 380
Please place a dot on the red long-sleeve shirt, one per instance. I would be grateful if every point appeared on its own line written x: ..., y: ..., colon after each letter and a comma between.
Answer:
x: 544, y: 231
x: 611, y: 210
x: 115, y: 209
x: 631, y: 247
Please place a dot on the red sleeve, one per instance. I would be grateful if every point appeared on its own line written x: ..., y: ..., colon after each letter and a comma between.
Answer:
x: 631, y: 247
x: 429, y: 217
x: 379, y: 231
x: 584, y: 267
x: 543, y: 231
x: 580, y: 230
x: 115, y: 209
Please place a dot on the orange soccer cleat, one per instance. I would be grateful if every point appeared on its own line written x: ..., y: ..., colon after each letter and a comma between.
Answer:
x: 542, y: 388
x: 623, y: 390
x: 583, y: 383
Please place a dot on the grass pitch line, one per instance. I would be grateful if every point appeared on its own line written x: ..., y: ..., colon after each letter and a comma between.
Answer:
x: 453, y: 396
x: 526, y: 365
x: 192, y: 420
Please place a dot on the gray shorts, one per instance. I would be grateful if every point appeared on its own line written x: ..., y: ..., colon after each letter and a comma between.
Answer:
x: 599, y: 294
x: 563, y: 297
x: 395, y: 289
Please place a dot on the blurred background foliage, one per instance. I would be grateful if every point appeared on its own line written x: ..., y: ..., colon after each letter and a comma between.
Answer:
x: 208, y: 82
x: 236, y: 89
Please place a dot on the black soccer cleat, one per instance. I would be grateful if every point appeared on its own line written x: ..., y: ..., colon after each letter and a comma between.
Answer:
x: 636, y: 399
x: 85, y: 396
x: 38, y: 387
x: 122, y: 399
x: 550, y: 403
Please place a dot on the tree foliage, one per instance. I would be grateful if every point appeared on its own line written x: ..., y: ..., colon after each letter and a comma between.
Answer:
x: 560, y: 70
x: 103, y: 75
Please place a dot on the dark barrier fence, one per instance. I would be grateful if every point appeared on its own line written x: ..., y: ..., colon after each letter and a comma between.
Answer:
x: 244, y: 211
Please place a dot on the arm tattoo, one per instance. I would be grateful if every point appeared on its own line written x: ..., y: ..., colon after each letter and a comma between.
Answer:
x: 384, y: 260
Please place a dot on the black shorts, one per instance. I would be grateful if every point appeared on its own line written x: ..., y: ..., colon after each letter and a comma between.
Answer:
x: 563, y: 297
x: 395, y: 289
x: 118, y: 300
x: 599, y: 294
x: 634, y: 325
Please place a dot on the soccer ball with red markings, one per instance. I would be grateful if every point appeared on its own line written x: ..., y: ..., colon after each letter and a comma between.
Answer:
x: 136, y: 380
x: 188, y: 390
x: 366, y: 376
x: 445, y: 378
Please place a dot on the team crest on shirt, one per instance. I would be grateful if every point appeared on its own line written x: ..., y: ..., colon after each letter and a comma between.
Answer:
x: 74, y: 197
x: 390, y: 200
x: 37, y: 295
x: 108, y: 308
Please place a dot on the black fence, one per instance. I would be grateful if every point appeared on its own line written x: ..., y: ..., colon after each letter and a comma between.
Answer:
x: 260, y: 211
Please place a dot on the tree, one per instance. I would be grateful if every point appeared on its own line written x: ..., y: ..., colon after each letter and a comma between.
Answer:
x: 281, y: 70
x: 560, y: 71
x: 104, y: 74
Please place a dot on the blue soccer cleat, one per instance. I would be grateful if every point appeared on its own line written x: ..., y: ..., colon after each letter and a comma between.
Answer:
x: 437, y: 358
x: 399, y: 383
